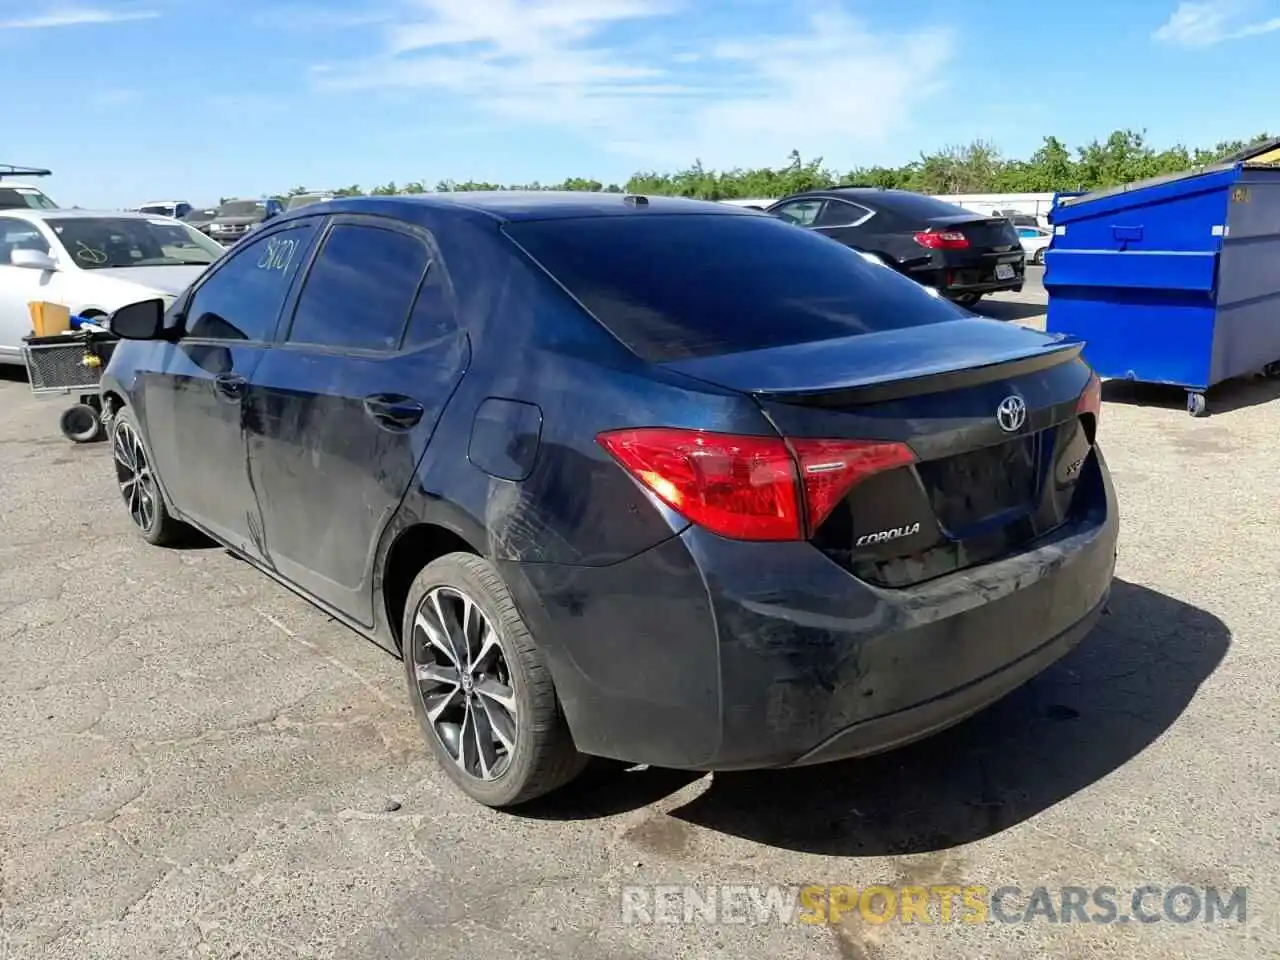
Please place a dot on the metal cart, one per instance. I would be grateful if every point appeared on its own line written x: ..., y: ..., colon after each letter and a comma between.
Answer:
x: 71, y: 363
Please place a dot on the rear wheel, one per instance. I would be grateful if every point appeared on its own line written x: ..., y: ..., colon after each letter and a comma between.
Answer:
x: 480, y: 687
x: 139, y: 487
x: 1038, y: 257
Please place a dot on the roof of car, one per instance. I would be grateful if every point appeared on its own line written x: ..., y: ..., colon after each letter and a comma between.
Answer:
x: 63, y: 213
x: 852, y: 192
x: 513, y: 205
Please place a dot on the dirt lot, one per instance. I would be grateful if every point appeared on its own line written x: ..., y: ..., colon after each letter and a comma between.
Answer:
x: 193, y: 762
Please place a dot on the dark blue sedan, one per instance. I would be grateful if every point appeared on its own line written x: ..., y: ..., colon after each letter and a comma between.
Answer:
x: 652, y: 479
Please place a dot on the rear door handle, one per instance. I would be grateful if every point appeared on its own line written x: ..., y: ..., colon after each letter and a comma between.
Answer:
x: 391, y: 411
x: 230, y: 385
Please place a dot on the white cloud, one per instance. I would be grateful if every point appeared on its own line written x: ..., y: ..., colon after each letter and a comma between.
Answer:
x: 1203, y: 23
x: 300, y: 18
x: 74, y: 17
x: 630, y: 75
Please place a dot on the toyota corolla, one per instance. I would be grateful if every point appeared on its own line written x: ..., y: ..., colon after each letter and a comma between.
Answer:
x: 651, y: 479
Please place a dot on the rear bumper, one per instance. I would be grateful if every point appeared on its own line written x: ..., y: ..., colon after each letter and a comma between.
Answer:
x: 710, y: 654
x: 957, y: 275
x: 915, y: 723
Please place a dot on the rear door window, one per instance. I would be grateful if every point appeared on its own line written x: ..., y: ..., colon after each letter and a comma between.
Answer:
x: 802, y: 212
x: 676, y: 286
x: 360, y: 289
x: 840, y: 213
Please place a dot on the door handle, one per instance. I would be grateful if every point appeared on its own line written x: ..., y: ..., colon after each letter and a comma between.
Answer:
x: 392, y: 411
x: 230, y: 385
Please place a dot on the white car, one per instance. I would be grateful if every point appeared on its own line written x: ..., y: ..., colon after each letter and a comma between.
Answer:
x: 166, y: 208
x: 93, y: 263
x: 1035, y: 241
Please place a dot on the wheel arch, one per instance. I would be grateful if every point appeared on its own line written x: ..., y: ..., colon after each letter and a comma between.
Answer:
x: 412, y: 547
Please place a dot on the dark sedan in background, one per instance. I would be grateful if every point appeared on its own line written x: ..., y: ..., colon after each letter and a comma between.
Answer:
x: 652, y: 479
x: 200, y: 218
x: 961, y: 254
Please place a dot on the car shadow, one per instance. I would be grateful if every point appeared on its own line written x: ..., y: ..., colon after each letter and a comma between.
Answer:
x: 1081, y: 720
x: 13, y: 373
x: 1013, y: 311
x: 1226, y: 397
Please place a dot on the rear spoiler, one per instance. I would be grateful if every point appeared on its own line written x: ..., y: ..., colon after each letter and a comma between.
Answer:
x: 890, y: 365
x: 10, y: 170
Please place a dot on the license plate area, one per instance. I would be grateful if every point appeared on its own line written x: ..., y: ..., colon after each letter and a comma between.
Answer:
x: 976, y: 487
x: 1004, y: 271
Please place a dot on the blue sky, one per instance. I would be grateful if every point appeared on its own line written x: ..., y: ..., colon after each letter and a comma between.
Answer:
x: 128, y: 101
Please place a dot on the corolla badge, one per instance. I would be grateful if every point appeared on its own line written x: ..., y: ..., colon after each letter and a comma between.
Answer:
x: 1011, y: 414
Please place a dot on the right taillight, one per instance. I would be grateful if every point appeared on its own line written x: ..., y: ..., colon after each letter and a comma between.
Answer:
x: 749, y: 487
x: 1090, y: 401
x: 942, y: 240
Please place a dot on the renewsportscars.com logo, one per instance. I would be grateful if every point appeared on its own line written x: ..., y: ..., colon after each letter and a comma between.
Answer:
x: 937, y: 904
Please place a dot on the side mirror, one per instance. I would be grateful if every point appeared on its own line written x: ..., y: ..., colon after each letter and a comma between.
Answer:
x: 33, y: 260
x: 139, y: 321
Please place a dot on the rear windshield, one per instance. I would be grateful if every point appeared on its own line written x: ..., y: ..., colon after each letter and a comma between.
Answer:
x: 918, y: 205
x: 675, y: 286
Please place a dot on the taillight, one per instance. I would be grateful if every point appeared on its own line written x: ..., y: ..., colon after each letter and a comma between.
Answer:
x: 750, y: 488
x: 1091, y: 398
x: 946, y: 240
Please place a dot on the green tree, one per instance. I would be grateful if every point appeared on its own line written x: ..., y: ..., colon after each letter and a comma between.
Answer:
x: 1123, y: 156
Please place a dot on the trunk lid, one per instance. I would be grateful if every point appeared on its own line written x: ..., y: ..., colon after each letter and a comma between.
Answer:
x: 983, y: 233
x: 990, y: 410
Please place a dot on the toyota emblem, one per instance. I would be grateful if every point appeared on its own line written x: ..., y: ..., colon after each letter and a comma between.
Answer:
x: 1011, y: 414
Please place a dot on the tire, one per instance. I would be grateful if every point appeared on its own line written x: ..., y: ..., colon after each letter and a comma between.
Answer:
x: 541, y: 757
x: 129, y: 454
x: 1038, y: 257
x: 81, y: 423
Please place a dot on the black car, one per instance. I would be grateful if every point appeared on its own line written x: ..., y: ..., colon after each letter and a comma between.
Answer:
x: 200, y: 218
x: 961, y: 254
x: 653, y: 479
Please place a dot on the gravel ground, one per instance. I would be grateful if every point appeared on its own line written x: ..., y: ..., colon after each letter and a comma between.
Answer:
x: 195, y: 763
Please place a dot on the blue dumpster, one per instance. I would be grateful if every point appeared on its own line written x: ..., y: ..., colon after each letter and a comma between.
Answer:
x: 1172, y: 280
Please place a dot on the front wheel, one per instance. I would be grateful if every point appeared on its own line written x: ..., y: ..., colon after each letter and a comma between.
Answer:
x: 480, y: 687
x: 1038, y: 258
x: 139, y: 488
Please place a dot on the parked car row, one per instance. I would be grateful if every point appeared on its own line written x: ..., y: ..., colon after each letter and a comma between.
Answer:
x: 645, y: 478
x: 232, y: 219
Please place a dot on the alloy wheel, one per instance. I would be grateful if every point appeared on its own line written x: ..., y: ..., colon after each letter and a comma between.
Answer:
x: 464, y: 682
x: 133, y: 474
